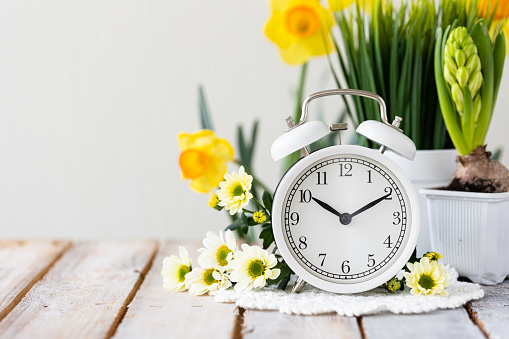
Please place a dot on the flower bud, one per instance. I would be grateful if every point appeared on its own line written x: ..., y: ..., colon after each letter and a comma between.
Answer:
x: 214, y: 201
x: 462, y: 68
x: 394, y: 285
x: 457, y: 96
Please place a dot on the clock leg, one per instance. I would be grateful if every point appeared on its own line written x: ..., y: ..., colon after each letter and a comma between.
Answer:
x: 298, y: 285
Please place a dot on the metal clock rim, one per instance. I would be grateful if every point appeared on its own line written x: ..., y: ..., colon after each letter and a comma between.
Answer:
x: 279, y: 197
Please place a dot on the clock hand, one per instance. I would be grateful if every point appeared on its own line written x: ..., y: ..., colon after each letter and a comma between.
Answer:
x: 368, y: 206
x: 327, y: 207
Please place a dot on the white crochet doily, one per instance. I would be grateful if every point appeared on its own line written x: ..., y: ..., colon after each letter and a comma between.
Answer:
x: 314, y: 301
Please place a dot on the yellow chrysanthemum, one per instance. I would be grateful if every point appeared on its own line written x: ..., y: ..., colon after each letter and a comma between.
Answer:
x: 394, y: 284
x: 433, y: 256
x: 234, y: 191
x: 427, y: 278
x: 259, y: 216
x: 252, y: 267
x: 339, y: 5
x: 175, y: 270
x: 203, y: 159
x: 214, y: 201
x: 300, y: 28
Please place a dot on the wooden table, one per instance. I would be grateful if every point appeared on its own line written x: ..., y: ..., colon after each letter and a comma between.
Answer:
x: 58, y: 289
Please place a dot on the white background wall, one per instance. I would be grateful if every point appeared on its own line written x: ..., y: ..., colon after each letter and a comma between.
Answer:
x: 93, y: 94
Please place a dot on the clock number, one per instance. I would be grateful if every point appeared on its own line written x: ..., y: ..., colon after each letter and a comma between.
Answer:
x: 322, y: 178
x: 388, y: 190
x: 347, y: 170
x: 305, y: 196
x: 323, y: 259
x: 388, y: 242
x: 371, y: 261
x: 397, y: 217
x: 303, y: 245
x: 294, y: 217
x: 369, y: 177
x: 345, y: 268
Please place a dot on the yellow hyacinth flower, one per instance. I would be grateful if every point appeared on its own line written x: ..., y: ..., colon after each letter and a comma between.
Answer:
x: 203, y: 159
x: 300, y: 28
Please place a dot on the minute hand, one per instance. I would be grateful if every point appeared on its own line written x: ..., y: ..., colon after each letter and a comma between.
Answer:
x: 368, y: 206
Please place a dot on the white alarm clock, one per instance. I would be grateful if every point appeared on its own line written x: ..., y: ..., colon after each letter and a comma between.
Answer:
x: 345, y: 218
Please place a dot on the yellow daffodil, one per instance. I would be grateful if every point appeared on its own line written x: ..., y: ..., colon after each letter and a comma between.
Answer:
x: 339, y: 5
x: 175, y: 270
x: 501, y: 12
x: 234, y: 191
x: 300, y: 28
x: 427, y: 278
x: 203, y: 159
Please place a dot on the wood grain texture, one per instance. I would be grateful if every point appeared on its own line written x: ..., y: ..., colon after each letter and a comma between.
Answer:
x: 272, y: 324
x: 23, y: 263
x: 83, y: 294
x: 491, y: 313
x: 438, y: 324
x: 159, y: 313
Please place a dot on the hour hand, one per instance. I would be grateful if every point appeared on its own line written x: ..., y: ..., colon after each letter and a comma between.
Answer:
x: 327, y: 207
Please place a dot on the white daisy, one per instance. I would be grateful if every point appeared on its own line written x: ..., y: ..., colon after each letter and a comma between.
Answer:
x: 200, y: 281
x: 175, y: 269
x: 234, y: 191
x: 219, y: 250
x: 252, y: 268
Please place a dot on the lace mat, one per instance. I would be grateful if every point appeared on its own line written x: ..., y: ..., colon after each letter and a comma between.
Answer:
x: 314, y: 301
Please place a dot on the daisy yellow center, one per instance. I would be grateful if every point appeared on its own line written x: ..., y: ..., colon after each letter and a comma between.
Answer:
x: 183, y: 270
x: 302, y: 21
x: 426, y: 282
x: 222, y: 254
x: 256, y: 268
x: 237, y: 190
x: 193, y: 163
x: 208, y: 278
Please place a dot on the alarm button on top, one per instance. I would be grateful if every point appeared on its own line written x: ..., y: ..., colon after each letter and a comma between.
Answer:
x: 389, y: 137
x: 297, y: 138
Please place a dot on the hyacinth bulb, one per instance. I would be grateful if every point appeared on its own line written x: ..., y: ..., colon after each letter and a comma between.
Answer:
x: 463, y: 69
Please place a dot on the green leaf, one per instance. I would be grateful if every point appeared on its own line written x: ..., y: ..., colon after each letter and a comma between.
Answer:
x: 468, y: 124
x: 206, y: 121
x: 499, y: 61
x: 267, y: 200
x: 267, y: 236
x: 481, y: 37
x: 236, y: 224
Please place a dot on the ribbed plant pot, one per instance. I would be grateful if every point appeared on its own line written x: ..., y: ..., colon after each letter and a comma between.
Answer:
x: 471, y: 230
x: 430, y: 168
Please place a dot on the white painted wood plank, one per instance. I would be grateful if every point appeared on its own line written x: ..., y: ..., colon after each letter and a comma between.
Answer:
x: 22, y: 264
x: 84, y: 294
x: 272, y: 324
x: 159, y: 313
x: 492, y: 311
x: 438, y: 324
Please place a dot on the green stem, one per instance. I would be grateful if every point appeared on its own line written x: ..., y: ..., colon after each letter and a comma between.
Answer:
x: 261, y: 206
x: 246, y: 210
x: 292, y: 158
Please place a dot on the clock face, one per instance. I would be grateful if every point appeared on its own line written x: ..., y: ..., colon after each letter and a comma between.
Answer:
x: 345, y: 219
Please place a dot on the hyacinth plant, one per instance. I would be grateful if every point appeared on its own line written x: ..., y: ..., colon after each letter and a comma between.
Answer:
x: 469, y: 62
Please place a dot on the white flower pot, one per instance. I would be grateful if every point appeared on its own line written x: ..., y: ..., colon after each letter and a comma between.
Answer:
x: 471, y: 230
x: 430, y: 168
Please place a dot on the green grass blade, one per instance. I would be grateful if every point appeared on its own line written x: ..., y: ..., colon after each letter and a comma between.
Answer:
x: 205, y: 120
x: 499, y: 55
